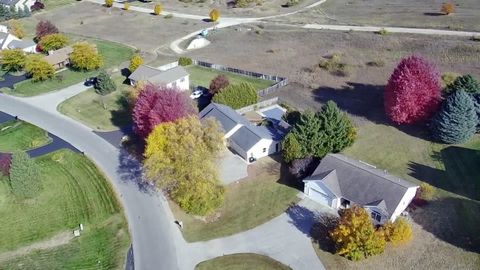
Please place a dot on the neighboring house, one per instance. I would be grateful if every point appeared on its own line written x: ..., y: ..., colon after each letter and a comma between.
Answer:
x: 17, y: 3
x: 59, y: 58
x: 340, y: 182
x: 249, y: 141
x: 176, y: 77
x: 9, y: 41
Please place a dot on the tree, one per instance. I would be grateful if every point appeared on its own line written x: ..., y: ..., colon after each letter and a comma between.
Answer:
x: 104, y: 84
x: 17, y: 29
x: 476, y: 101
x: 135, y: 62
x: 158, y: 104
x: 399, y: 232
x: 85, y: 56
x: 457, y: 120
x: 53, y: 42
x: 45, y: 28
x: 24, y: 176
x: 308, y: 134
x: 218, y: 83
x: 448, y: 8
x: 38, y: 68
x: 38, y: 5
x: 291, y: 148
x: 157, y: 10
x: 108, y: 3
x: 214, y: 15
x: 466, y: 83
x: 355, y: 236
x: 337, y: 128
x: 237, y: 95
x: 172, y: 162
x: 126, y: 6
x: 13, y: 60
x: 413, y: 91
x: 185, y: 61
x: 301, y: 168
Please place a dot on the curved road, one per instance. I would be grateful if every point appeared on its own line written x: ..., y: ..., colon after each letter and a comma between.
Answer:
x: 154, y: 235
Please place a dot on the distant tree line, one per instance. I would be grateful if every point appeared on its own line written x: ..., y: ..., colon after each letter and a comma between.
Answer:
x: 8, y: 13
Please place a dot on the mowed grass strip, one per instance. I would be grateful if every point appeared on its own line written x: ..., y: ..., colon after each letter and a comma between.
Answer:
x: 202, y: 76
x: 242, y: 261
x: 113, y: 55
x: 249, y: 203
x: 102, y: 113
x: 19, y: 135
x: 74, y: 192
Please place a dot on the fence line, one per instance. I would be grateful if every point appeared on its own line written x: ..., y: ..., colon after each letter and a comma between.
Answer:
x: 259, y: 105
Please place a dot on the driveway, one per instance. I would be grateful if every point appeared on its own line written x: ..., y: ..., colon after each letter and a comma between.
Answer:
x: 10, y: 80
x: 232, y: 167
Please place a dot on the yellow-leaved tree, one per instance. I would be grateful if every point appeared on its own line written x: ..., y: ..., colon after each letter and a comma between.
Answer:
x: 398, y: 232
x: 38, y: 68
x: 180, y: 157
x: 355, y: 236
x: 109, y: 3
x: 53, y: 42
x: 135, y: 62
x: 214, y: 15
x: 157, y: 10
x: 17, y: 29
x: 85, y: 56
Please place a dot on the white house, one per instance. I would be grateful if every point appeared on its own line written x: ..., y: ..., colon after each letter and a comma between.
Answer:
x: 176, y: 77
x: 17, y: 3
x: 339, y: 182
x: 249, y: 141
x: 9, y: 41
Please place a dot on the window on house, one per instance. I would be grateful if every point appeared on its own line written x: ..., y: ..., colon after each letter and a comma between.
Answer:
x: 182, y: 79
x: 264, y: 150
x: 376, y: 216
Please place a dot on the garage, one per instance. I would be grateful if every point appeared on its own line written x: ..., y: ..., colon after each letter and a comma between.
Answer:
x: 319, y: 197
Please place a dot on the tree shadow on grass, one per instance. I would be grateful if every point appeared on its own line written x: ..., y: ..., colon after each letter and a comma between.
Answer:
x: 123, y: 116
x: 302, y: 218
x: 461, y: 175
x: 453, y: 220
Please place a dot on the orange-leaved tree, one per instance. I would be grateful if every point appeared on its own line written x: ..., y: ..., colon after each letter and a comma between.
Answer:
x: 448, y: 8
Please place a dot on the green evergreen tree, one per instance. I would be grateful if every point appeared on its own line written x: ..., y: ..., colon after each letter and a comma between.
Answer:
x: 476, y: 102
x: 308, y: 134
x: 104, y: 84
x: 24, y: 176
x: 237, y: 95
x: 291, y: 148
x: 338, y: 130
x: 26, y: 11
x: 466, y: 83
x: 457, y: 120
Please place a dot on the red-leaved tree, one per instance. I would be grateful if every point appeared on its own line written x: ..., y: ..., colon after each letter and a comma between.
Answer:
x: 45, y: 28
x: 218, y: 83
x: 158, y: 104
x: 413, y: 92
x: 5, y: 163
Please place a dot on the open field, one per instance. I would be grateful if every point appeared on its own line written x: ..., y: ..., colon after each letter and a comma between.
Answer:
x: 446, y: 235
x: 406, y: 13
x: 19, y: 135
x: 267, y: 198
x: 242, y: 261
x: 113, y: 54
x: 102, y: 113
x: 201, y: 76
x: 74, y: 192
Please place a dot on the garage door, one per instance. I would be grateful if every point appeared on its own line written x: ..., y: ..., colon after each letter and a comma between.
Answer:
x: 319, y: 197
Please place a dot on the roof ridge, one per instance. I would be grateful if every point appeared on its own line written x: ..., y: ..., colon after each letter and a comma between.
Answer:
x: 348, y: 161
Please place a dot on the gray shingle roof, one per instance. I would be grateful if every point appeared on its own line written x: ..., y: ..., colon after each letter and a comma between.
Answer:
x: 154, y: 75
x: 21, y: 44
x: 360, y: 183
x: 9, y: 2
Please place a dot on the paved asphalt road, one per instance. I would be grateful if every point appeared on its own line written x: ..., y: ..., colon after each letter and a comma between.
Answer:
x: 153, y: 232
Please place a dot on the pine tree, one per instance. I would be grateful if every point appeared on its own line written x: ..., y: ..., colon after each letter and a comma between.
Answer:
x: 104, y: 84
x: 476, y: 102
x: 307, y: 132
x: 466, y: 83
x: 457, y: 120
x: 337, y: 127
x: 291, y: 148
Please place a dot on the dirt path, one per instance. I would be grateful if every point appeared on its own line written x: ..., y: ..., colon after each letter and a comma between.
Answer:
x: 58, y: 240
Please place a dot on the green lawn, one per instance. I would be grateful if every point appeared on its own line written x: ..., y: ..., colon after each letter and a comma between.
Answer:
x: 113, y: 54
x: 202, y: 76
x: 249, y: 203
x: 242, y: 261
x: 100, y: 113
x: 19, y: 135
x: 74, y: 192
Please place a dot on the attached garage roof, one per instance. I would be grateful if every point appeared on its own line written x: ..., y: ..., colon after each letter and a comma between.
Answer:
x: 360, y: 183
x: 154, y: 75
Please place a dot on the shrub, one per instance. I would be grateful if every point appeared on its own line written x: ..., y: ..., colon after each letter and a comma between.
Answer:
x: 45, y: 28
x: 291, y: 148
x: 334, y: 65
x: 448, y: 78
x: 466, y: 83
x: 292, y: 3
x: 355, y: 236
x: 413, y: 91
x: 448, y: 8
x: 457, y: 120
x: 17, y: 29
x: 53, y: 42
x: 135, y: 62
x: 5, y: 164
x: 38, y: 68
x: 85, y: 56
x: 383, y: 32
x: 218, y: 83
x: 185, y: 61
x: 376, y: 63
x: 214, y: 15
x: 200, y: 198
x: 24, y: 176
x: 37, y: 6
x: 13, y: 60
x: 237, y: 95
x: 104, y: 84
x: 426, y: 192
x: 108, y: 3
x: 126, y: 6
x: 399, y: 232
x: 158, y: 104
x: 168, y: 16
x: 157, y: 10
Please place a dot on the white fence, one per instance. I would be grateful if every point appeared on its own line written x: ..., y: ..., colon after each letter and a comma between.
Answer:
x: 259, y: 105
